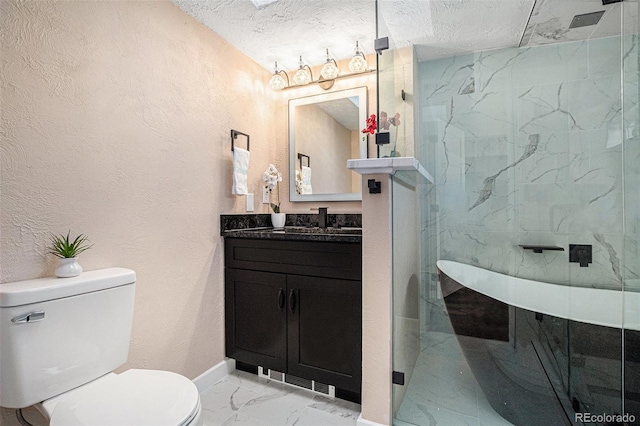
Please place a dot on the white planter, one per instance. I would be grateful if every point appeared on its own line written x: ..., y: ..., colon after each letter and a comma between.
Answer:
x: 278, y: 220
x: 68, y: 268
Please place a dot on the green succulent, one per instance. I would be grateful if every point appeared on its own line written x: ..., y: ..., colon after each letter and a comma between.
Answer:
x: 63, y: 248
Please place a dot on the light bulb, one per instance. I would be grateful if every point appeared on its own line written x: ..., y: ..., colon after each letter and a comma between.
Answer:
x: 277, y: 82
x: 358, y: 62
x: 302, y: 76
x: 329, y: 70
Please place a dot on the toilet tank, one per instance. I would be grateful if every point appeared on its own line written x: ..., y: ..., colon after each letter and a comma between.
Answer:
x: 59, y: 333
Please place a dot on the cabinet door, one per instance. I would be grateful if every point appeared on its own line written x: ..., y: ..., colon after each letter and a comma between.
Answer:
x: 256, y: 318
x: 325, y: 331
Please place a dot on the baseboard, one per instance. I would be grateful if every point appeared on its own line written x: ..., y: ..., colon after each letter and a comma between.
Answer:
x: 215, y: 374
x: 363, y: 422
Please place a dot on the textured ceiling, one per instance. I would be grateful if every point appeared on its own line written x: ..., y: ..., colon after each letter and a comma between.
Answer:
x: 286, y: 29
x: 550, y: 21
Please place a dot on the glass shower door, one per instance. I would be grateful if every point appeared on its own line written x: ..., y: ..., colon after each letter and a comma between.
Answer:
x: 631, y: 164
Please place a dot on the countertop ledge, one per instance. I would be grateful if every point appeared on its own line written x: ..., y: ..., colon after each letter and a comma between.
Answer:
x: 347, y: 236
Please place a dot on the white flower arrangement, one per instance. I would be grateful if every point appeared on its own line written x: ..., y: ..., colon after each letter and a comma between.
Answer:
x: 298, y: 182
x: 270, y: 178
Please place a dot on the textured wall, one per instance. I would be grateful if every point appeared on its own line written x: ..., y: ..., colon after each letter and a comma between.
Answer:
x: 115, y: 123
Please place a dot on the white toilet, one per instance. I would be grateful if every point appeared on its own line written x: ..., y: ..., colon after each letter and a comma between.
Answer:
x: 60, y: 339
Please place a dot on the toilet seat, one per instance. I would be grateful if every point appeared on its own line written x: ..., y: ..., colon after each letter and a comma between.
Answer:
x: 135, y: 397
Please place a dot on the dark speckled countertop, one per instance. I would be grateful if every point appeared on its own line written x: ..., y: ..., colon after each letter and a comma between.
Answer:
x: 346, y: 229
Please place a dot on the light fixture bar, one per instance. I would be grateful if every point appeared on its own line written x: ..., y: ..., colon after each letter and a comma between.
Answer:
x: 340, y: 77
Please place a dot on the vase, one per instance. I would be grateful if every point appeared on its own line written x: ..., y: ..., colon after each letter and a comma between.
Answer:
x: 69, y: 267
x: 278, y: 220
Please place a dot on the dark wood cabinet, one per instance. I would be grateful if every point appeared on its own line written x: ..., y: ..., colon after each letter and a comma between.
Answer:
x: 256, y: 318
x: 296, y: 307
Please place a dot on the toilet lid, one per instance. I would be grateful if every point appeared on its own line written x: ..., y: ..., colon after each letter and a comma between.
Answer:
x: 135, y: 397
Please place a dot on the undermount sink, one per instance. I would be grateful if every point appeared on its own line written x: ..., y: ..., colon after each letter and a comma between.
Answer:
x: 317, y: 230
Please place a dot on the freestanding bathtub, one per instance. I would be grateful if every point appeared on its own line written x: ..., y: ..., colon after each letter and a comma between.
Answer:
x: 543, y: 352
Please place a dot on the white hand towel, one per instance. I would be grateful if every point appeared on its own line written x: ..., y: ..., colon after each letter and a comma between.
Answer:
x: 306, y: 180
x: 240, y: 171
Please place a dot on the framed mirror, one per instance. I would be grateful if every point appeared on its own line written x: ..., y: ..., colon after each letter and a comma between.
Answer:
x: 325, y: 132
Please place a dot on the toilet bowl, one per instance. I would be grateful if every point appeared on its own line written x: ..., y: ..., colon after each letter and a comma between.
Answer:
x: 135, y: 397
x: 60, y: 340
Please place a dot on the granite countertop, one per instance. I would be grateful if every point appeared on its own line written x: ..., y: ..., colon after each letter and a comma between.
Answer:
x: 296, y: 233
x: 346, y: 228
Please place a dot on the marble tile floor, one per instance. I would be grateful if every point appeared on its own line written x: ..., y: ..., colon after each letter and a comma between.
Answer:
x: 245, y: 399
x: 442, y: 389
x: 241, y: 398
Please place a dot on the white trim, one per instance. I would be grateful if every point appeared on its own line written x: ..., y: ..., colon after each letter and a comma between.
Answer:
x: 364, y: 422
x: 215, y: 374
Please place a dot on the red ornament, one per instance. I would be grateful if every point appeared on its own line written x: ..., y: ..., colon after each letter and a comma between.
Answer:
x: 371, y: 125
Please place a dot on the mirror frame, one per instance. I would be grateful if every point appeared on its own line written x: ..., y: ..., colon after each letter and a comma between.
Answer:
x: 361, y: 92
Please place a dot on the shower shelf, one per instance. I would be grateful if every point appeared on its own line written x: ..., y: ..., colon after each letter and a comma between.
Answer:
x: 540, y: 249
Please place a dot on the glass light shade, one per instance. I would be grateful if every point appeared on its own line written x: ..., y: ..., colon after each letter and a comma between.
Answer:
x: 329, y: 71
x: 302, y: 76
x: 358, y: 63
x: 277, y: 82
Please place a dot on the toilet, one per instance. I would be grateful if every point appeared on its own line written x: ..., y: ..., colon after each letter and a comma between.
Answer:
x: 61, y: 339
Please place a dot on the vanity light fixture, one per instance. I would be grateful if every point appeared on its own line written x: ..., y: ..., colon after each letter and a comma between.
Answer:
x: 277, y: 82
x: 329, y: 70
x: 303, y: 75
x: 358, y: 62
x: 329, y: 73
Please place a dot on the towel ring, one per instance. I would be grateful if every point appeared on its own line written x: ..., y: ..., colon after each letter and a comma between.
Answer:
x: 308, y: 160
x: 234, y: 135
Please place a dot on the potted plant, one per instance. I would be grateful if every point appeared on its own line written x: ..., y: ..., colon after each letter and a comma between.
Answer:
x: 270, y: 178
x: 61, y: 246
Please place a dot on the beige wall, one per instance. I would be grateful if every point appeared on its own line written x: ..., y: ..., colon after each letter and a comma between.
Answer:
x: 115, y: 123
x: 376, y: 301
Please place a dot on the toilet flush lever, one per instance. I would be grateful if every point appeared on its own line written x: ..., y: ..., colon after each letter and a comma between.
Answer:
x: 30, y: 317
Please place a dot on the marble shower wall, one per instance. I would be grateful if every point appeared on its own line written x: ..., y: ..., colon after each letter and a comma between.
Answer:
x: 631, y: 157
x: 526, y: 146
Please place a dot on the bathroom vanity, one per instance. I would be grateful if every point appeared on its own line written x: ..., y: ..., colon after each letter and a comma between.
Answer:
x: 293, y: 304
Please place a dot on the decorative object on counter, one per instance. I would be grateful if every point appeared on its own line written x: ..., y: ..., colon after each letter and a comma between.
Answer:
x: 278, y: 220
x: 68, y: 251
x: 271, y: 177
x: 298, y: 182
